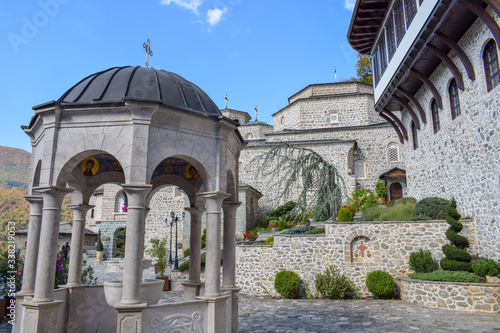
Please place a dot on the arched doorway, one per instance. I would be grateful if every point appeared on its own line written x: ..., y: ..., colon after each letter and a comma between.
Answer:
x: 396, y: 191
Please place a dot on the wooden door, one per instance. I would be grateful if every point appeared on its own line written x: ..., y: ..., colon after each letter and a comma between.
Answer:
x: 396, y: 191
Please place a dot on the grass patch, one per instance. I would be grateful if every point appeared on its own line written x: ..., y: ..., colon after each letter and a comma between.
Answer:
x: 401, y: 212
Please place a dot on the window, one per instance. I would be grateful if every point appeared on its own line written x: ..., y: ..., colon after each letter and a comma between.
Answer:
x: 454, y: 100
x: 382, y: 53
x: 399, y: 23
x: 410, y: 10
x: 121, y: 202
x: 414, y: 134
x: 375, y: 66
x: 490, y: 59
x: 435, y: 116
x: 359, y: 169
x: 391, y: 38
x: 393, y: 152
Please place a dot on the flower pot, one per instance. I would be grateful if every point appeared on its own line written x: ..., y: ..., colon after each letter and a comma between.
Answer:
x: 150, y: 291
x: 166, y: 284
x: 274, y: 229
x: 100, y: 255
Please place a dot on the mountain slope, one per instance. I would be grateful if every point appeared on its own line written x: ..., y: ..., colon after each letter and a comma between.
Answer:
x: 14, y: 167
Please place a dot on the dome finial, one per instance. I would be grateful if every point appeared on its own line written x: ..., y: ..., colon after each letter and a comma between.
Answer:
x: 256, y: 112
x: 148, y: 52
x: 225, y: 97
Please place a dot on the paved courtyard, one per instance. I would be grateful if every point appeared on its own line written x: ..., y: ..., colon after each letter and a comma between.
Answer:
x: 264, y: 314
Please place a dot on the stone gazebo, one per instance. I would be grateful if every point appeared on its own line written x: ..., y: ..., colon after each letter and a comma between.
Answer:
x: 144, y: 129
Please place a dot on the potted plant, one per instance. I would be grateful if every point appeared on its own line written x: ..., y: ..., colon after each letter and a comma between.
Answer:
x: 159, y: 252
x: 99, y: 248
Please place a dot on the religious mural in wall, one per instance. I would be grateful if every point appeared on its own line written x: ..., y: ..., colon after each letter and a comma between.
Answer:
x: 96, y: 164
x: 177, y: 166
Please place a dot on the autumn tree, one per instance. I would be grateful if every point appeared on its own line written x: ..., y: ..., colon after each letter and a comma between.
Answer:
x: 364, y: 69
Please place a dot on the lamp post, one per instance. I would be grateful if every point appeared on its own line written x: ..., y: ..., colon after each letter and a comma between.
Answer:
x: 176, y: 261
x: 172, y: 215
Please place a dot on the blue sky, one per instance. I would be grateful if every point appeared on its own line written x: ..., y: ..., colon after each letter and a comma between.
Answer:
x: 257, y: 52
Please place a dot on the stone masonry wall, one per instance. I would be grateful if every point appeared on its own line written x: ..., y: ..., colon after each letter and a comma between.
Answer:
x: 254, y: 132
x: 331, y: 89
x: 462, y: 160
x: 451, y: 295
x: 356, y: 248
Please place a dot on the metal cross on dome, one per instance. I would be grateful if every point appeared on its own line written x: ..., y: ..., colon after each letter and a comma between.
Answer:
x: 148, y: 52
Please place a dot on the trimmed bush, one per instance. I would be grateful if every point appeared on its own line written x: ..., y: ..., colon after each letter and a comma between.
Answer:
x: 98, y: 245
x: 450, y: 276
x: 300, y: 229
x: 281, y: 225
x: 287, y: 284
x: 485, y: 267
x: 333, y: 284
x: 186, y: 252
x: 431, y: 208
x: 270, y: 240
x: 316, y: 231
x: 422, y: 262
x: 345, y: 215
x: 381, y: 284
x: 457, y: 257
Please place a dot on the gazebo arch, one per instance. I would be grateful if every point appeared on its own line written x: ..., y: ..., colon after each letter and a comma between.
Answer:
x: 128, y: 121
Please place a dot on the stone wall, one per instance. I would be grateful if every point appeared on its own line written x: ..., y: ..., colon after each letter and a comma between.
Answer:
x: 451, y: 295
x: 255, y: 131
x: 331, y: 89
x: 356, y: 248
x: 462, y: 160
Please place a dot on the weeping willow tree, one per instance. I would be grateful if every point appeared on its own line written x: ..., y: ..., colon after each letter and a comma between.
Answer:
x: 302, y: 175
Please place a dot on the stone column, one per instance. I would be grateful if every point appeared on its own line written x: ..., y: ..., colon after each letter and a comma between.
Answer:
x: 132, y: 273
x: 192, y: 287
x: 31, y: 255
x: 77, y: 240
x: 229, y: 264
x: 213, y: 202
x: 49, y: 235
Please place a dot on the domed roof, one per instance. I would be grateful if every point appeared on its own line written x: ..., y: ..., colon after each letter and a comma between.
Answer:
x: 118, y: 84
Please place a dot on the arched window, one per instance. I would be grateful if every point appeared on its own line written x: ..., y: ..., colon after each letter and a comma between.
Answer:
x: 490, y: 59
x: 121, y: 202
x: 393, y: 152
x: 435, y: 116
x: 454, y: 100
x: 359, y: 170
x: 414, y: 135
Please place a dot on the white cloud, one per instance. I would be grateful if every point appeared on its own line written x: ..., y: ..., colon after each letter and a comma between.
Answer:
x: 188, y: 4
x: 215, y: 15
x: 349, y: 4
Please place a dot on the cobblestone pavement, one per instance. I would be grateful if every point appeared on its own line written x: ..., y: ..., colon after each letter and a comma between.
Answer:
x: 263, y: 314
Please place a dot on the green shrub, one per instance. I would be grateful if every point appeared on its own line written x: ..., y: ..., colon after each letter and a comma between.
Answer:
x: 270, y: 240
x: 485, y: 267
x: 422, y: 262
x: 333, y: 284
x: 281, y: 211
x: 457, y: 258
x: 281, y: 224
x: 287, y: 283
x: 185, y: 265
x: 186, y: 252
x: 381, y: 190
x: 405, y: 200
x: 345, y: 215
x: 431, y: 208
x: 381, y: 284
x: 300, y: 229
x: 98, y: 245
x: 204, y: 238
x: 398, y: 213
x: 450, y: 276
x: 316, y: 231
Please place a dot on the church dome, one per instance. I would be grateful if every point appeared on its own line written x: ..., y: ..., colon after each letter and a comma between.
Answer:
x: 118, y: 84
